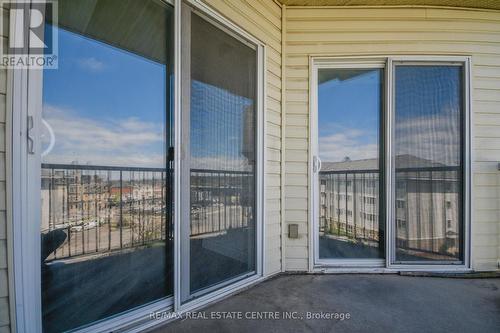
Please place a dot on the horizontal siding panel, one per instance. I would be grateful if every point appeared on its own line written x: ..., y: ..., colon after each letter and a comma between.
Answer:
x: 485, y: 240
x: 295, y: 132
x: 482, y: 179
x: 297, y: 143
x: 490, y: 83
x: 486, y: 72
x: 296, y: 167
x: 296, y: 155
x: 487, y: 95
x: 296, y: 252
x: 273, y: 117
x: 297, y: 120
x: 296, y: 264
x: 487, y: 143
x: 309, y: 14
x: 486, y: 192
x: 409, y: 25
x: 392, y: 47
x: 296, y: 179
x: 486, y: 216
x: 299, y: 192
x: 462, y: 15
x: 273, y: 167
x: 485, y: 167
x: 297, y: 60
x: 487, y: 154
x: 295, y: 215
x: 296, y: 203
x: 296, y: 108
x: 487, y: 228
x: 391, y: 36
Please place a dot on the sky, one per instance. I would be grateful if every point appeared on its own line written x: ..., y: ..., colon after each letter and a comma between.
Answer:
x: 348, y: 116
x: 104, y: 106
x: 427, y: 114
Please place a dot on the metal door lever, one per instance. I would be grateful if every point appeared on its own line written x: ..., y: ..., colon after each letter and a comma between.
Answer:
x: 31, y: 139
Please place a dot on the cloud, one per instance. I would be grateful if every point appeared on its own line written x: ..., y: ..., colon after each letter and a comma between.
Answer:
x: 91, y: 64
x: 347, y: 142
x: 223, y: 162
x: 120, y: 142
x: 435, y: 137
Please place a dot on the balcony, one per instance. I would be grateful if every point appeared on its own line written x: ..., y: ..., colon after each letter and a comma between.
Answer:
x: 373, y: 303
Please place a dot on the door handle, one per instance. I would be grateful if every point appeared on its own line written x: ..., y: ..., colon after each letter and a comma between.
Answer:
x: 31, y: 139
x: 316, y: 164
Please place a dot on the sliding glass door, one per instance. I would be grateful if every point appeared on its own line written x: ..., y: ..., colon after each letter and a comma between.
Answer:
x: 390, y: 152
x: 350, y: 101
x: 106, y: 222
x: 429, y: 134
x: 219, y: 156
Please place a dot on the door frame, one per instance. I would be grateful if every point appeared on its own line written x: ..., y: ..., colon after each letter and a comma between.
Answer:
x: 360, y: 265
x: 317, y: 63
x: 450, y: 60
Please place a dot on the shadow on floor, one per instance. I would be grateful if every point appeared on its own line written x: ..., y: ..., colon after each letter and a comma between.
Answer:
x: 77, y: 292
x: 81, y: 290
x: 375, y: 303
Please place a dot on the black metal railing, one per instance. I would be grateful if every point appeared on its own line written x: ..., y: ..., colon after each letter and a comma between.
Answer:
x: 102, y: 208
x: 221, y: 200
x: 99, y: 209
x: 427, y: 207
x: 349, y: 203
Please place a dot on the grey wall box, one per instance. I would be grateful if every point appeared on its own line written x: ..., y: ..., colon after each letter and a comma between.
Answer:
x: 293, y: 231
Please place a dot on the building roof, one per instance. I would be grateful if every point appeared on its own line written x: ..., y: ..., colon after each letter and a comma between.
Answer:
x: 402, y: 161
x: 480, y: 4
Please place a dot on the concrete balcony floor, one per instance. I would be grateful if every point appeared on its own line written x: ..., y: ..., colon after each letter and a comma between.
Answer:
x: 376, y: 303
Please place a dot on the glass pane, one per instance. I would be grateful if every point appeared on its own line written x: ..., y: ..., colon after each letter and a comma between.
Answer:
x: 105, y: 225
x: 222, y: 156
x: 349, y: 108
x: 428, y: 163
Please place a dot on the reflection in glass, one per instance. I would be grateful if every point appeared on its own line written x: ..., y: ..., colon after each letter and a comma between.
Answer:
x: 349, y: 108
x: 222, y: 156
x: 105, y: 223
x: 428, y: 163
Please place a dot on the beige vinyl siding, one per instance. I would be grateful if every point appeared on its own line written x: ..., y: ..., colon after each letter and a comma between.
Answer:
x: 262, y: 19
x: 4, y: 282
x: 335, y: 31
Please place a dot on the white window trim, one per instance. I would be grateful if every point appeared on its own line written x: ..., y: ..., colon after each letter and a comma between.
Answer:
x: 25, y: 270
x: 24, y: 99
x: 315, y: 65
x: 361, y: 265
x: 465, y: 62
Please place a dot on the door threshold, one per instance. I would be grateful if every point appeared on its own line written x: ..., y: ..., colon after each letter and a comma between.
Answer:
x: 384, y: 270
x: 352, y: 270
